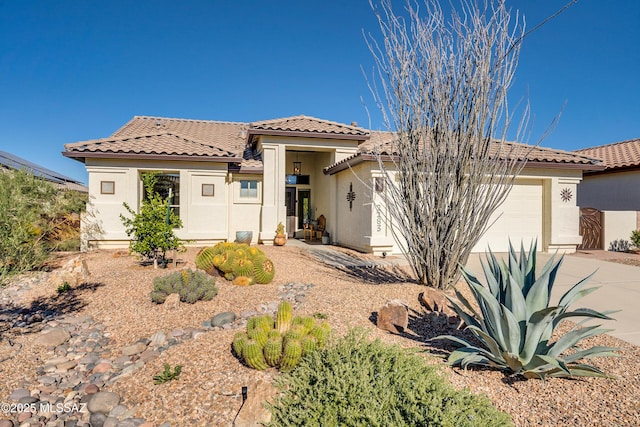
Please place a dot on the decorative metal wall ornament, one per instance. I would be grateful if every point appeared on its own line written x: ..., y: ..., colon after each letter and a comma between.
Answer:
x: 351, y: 196
x: 565, y: 195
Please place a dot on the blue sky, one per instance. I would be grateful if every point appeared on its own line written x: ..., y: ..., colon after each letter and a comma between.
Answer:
x: 78, y: 70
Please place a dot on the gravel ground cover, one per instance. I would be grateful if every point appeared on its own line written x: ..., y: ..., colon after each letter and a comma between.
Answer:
x: 208, y: 390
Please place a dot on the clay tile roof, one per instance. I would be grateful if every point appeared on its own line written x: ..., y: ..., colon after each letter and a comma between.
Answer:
x: 227, y: 136
x: 155, y: 144
x: 382, y: 143
x: 308, y: 124
x: 623, y: 154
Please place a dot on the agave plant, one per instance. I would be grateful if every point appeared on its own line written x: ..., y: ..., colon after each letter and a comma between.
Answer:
x: 515, y: 323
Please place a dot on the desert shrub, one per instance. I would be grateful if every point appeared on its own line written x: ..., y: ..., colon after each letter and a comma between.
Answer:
x: 635, y: 238
x: 35, y: 219
x: 619, y: 245
x: 152, y: 228
x: 167, y: 374
x: 191, y: 285
x: 279, y: 342
x: 357, y: 382
x: 515, y: 323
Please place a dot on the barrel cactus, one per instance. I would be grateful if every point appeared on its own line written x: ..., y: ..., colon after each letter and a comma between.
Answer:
x: 236, y: 260
x: 204, y: 259
x: 263, y: 270
x: 282, y: 342
x: 284, y: 317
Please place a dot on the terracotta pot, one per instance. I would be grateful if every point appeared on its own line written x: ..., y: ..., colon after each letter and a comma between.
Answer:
x: 280, y: 240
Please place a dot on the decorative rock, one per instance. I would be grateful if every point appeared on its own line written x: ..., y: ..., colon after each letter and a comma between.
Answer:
x: 103, y: 401
x: 67, y: 365
x: 133, y: 349
x: 435, y: 300
x: 101, y: 368
x: 28, y: 400
x: 393, y: 316
x: 53, y: 337
x: 171, y: 302
x: 253, y: 412
x: 149, y: 355
x: 46, y: 380
x: 74, y: 272
x: 91, y: 389
x: 158, y: 339
x: 24, y: 416
x: 131, y: 422
x: 118, y: 411
x: 97, y: 419
x: 111, y: 422
x: 19, y: 393
x: 6, y: 423
x: 223, y: 318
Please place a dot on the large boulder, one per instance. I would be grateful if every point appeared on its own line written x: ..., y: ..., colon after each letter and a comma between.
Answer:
x: 73, y: 272
x: 393, y: 316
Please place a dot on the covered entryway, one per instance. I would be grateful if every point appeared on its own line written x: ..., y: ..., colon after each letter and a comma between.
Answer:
x: 519, y: 218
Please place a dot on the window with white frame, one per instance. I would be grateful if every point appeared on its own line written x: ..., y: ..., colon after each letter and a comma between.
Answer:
x: 248, y: 189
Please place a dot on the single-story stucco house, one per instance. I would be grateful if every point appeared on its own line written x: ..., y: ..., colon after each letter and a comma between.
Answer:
x: 610, y: 198
x: 230, y: 176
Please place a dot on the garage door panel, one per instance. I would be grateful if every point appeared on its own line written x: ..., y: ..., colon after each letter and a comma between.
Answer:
x: 519, y: 218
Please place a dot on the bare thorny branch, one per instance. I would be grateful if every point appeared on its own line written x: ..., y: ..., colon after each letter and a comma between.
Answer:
x: 442, y: 88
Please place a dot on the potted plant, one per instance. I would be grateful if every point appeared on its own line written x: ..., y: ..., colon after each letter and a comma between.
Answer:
x: 281, y: 237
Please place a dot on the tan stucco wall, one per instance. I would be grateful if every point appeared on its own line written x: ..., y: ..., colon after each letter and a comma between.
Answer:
x: 203, y: 218
x: 559, y: 228
x: 618, y: 225
x: 244, y: 213
x: 618, y: 191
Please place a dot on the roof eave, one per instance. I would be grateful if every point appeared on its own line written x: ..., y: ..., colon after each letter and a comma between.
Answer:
x: 82, y: 155
x: 303, y: 134
x: 608, y: 170
x: 361, y: 157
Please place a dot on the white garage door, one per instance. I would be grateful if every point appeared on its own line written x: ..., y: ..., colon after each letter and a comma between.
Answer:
x: 520, y: 220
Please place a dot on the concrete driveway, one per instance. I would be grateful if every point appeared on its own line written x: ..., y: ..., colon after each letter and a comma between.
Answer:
x: 619, y: 290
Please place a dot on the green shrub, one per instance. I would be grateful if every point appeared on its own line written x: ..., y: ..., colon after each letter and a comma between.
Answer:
x: 35, y: 219
x: 357, y: 382
x: 191, y: 285
x: 635, y: 238
x: 515, y: 322
x: 167, y: 375
x: 64, y: 287
x: 152, y: 228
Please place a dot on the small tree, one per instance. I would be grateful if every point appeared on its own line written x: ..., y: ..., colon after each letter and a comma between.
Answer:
x: 442, y: 88
x: 152, y: 228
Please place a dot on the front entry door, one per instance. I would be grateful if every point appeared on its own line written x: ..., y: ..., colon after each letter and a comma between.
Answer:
x: 290, y: 203
x: 304, y: 206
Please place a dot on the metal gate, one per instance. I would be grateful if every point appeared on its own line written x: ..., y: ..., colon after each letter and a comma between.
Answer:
x: 591, y: 228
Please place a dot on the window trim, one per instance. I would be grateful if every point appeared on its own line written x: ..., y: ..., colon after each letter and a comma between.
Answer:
x: 238, y: 198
